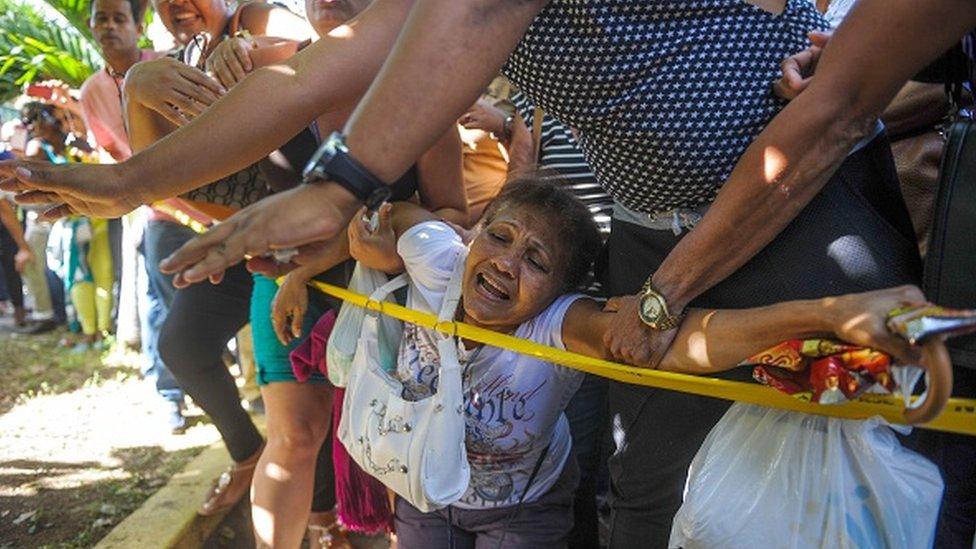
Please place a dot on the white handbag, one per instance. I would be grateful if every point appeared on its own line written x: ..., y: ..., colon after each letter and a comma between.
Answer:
x: 416, y: 448
x: 344, y: 339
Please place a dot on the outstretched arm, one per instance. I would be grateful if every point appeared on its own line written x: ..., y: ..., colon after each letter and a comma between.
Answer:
x: 710, y: 341
x: 277, y: 101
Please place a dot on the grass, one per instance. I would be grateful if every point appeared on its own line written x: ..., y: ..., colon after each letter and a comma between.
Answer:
x: 83, y: 442
x: 38, y: 365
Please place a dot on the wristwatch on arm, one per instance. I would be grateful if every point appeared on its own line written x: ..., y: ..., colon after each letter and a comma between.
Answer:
x: 653, y: 310
x: 331, y: 162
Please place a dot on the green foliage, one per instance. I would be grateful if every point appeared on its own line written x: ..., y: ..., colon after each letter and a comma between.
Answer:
x: 56, y: 43
x: 35, y: 45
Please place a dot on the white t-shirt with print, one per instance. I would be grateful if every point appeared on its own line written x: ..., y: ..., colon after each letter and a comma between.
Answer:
x: 514, y: 403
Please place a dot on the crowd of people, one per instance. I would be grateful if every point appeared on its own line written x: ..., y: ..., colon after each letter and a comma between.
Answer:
x: 672, y: 185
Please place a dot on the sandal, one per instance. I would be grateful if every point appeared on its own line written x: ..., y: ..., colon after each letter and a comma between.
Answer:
x: 329, y: 534
x: 232, y: 485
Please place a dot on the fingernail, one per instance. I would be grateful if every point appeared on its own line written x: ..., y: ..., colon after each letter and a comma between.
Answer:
x: 23, y: 172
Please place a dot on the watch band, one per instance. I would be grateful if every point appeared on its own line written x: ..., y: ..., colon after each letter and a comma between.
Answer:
x: 331, y: 162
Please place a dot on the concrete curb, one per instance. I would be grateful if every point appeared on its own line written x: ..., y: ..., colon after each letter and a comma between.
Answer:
x: 168, y: 519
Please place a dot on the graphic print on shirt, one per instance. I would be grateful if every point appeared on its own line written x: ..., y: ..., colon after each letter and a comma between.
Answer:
x: 499, y: 410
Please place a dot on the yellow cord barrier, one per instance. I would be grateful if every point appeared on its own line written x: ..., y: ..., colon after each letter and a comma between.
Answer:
x: 959, y: 415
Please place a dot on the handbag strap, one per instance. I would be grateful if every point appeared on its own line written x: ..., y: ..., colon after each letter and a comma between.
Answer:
x: 956, y: 69
x: 381, y: 293
x: 452, y: 297
x: 525, y: 492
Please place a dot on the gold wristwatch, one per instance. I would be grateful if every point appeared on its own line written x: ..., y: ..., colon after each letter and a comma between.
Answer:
x: 653, y: 310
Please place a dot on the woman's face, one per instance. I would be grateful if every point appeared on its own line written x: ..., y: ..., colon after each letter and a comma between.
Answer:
x: 186, y: 18
x: 325, y: 15
x: 514, y: 270
x: 46, y: 127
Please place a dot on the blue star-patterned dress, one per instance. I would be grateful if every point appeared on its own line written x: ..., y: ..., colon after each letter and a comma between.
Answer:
x: 666, y: 94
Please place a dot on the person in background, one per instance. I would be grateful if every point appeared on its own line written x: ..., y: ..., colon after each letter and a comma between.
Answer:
x: 81, y: 243
x: 14, y: 253
x: 116, y: 25
x: 11, y: 238
x: 34, y: 271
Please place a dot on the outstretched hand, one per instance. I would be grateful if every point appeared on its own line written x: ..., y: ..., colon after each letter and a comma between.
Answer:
x: 96, y: 190
x: 304, y: 215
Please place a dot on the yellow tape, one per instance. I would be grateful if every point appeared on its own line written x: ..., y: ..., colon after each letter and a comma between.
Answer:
x: 958, y: 417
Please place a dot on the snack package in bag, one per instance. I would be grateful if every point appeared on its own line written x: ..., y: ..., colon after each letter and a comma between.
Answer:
x: 344, y: 338
x: 777, y: 479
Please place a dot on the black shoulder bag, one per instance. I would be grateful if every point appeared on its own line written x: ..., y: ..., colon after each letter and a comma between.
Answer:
x: 950, y: 266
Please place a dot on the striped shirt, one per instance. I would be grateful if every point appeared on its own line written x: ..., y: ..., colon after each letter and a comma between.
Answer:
x: 559, y: 152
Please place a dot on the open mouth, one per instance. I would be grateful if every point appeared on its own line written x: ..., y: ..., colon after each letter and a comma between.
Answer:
x: 492, y: 288
x: 185, y: 18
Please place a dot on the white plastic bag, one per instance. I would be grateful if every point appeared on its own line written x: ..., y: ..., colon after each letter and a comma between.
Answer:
x: 771, y: 478
x: 341, y: 348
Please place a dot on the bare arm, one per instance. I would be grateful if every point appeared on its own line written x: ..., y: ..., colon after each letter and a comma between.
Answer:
x: 521, y: 147
x: 442, y: 40
x: 440, y: 175
x: 278, y: 101
x: 145, y: 126
x: 271, y: 20
x: 8, y: 217
x: 710, y: 341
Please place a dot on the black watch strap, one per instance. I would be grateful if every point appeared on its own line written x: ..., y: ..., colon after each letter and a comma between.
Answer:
x: 331, y: 162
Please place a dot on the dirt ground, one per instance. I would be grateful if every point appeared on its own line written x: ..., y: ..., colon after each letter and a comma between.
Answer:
x: 83, y: 442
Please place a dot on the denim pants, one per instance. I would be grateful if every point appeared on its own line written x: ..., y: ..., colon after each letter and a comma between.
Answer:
x: 160, y: 239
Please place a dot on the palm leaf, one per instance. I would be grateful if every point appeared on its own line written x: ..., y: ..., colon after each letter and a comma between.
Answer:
x: 38, y: 46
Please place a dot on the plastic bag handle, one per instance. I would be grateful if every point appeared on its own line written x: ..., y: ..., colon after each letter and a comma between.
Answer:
x: 938, y: 367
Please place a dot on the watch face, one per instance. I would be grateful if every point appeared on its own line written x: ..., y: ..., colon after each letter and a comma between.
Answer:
x: 651, y: 308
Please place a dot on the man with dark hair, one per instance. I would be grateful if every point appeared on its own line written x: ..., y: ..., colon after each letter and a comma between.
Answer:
x: 116, y: 26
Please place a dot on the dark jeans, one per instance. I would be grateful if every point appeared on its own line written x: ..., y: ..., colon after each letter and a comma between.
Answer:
x: 13, y: 284
x: 202, y: 318
x: 543, y: 523
x: 56, y: 288
x: 854, y: 236
x: 587, y: 414
x: 160, y: 239
x: 4, y: 294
